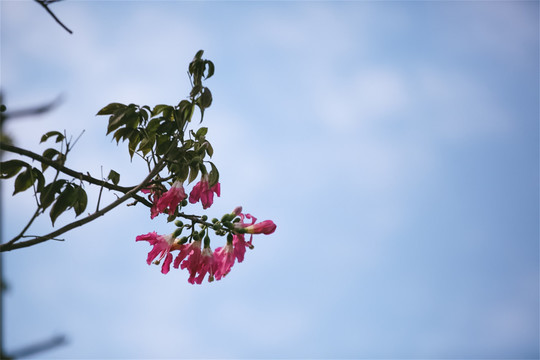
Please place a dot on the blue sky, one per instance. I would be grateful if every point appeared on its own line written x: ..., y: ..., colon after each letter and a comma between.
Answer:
x: 395, y: 145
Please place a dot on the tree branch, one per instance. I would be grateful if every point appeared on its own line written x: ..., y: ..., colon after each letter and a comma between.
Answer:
x: 45, y: 5
x: 8, y: 247
x: 39, y: 347
x: 70, y: 172
x: 32, y: 111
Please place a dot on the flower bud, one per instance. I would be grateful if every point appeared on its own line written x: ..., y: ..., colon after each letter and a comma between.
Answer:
x: 183, y: 240
x: 204, y: 218
x: 206, y: 241
x: 237, y: 210
x: 179, y: 223
x: 177, y: 232
x: 227, y: 217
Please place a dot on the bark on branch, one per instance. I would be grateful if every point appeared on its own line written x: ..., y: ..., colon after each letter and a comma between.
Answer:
x: 70, y: 172
x: 129, y: 194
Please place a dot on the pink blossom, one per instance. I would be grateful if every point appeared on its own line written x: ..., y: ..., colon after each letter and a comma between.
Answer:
x: 224, y: 258
x: 240, y: 244
x: 170, y: 200
x: 207, y: 265
x: 155, y: 191
x: 192, y: 255
x: 187, y: 250
x: 162, y: 247
x: 203, y: 193
x: 265, y: 227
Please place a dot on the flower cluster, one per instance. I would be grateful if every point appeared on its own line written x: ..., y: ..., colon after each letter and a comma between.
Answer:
x: 197, y: 256
x: 194, y: 251
x: 169, y: 201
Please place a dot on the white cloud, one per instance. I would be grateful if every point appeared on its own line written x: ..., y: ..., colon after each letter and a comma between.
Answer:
x: 363, y: 101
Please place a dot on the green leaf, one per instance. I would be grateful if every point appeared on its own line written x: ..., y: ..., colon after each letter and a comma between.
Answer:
x: 134, y: 140
x: 168, y: 113
x: 193, y: 172
x: 153, y: 125
x: 111, y: 109
x: 147, y: 144
x: 209, y: 148
x: 39, y: 177
x: 24, y: 180
x: 210, y: 69
x: 187, y: 112
x: 162, y: 144
x: 132, y: 119
x: 201, y: 132
x: 198, y: 55
x: 58, y: 134
x: 11, y: 167
x: 123, y: 133
x: 82, y: 200
x: 143, y: 115
x: 213, y: 177
x: 158, y: 109
x: 183, y: 104
x: 206, y: 98
x: 183, y: 172
x: 194, y: 66
x: 196, y: 89
x: 114, y: 177
x: 65, y: 200
x: 166, y: 128
x: 49, y: 192
x: 120, y: 118
x: 50, y: 154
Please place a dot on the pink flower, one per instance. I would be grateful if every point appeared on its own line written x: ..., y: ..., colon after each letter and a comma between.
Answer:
x: 240, y: 244
x: 224, y: 258
x: 187, y: 250
x: 170, y: 200
x: 265, y: 227
x: 155, y: 191
x: 203, y: 193
x: 192, y: 255
x: 162, y: 247
x: 207, y: 265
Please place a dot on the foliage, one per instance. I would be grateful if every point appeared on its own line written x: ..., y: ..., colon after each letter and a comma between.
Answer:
x: 176, y: 154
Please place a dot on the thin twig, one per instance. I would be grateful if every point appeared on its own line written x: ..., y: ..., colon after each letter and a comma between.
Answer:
x: 46, y: 7
x: 77, y: 139
x: 21, y: 234
x: 36, y: 214
x: 39, y: 347
x: 100, y: 190
x: 70, y: 172
x: 36, y: 110
x: 127, y: 195
x: 35, y: 236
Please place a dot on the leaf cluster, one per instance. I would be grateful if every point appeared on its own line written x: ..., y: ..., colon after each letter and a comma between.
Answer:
x: 62, y: 194
x: 198, y: 69
x: 158, y: 132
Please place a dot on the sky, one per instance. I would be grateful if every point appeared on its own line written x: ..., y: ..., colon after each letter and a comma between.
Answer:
x: 394, y: 144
